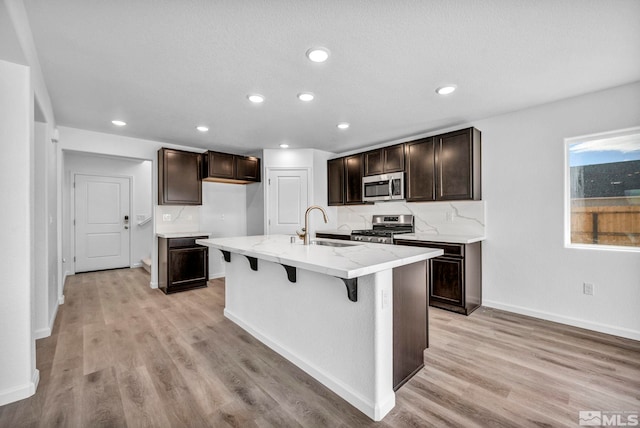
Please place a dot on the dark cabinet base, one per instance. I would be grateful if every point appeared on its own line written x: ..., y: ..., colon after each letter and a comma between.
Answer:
x: 183, y: 265
x: 464, y: 310
x: 455, y: 278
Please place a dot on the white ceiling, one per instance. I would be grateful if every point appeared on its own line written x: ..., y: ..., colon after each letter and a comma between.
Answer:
x: 165, y: 66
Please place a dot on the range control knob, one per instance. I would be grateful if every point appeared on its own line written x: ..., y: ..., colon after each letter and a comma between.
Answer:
x: 381, y: 240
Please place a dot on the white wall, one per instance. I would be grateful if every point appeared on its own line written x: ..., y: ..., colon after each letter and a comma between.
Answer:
x: 141, y: 201
x: 18, y: 374
x: 526, y: 268
x: 41, y: 265
x: 223, y: 213
x: 17, y: 360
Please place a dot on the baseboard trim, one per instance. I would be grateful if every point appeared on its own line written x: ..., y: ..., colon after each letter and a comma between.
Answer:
x: 41, y: 333
x: 153, y: 284
x: 575, y: 322
x: 136, y: 265
x: 216, y: 275
x: 61, y: 300
x: 21, y: 392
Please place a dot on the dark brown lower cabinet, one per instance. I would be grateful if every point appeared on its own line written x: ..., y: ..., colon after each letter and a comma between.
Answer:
x: 410, y: 321
x: 183, y: 264
x: 455, y: 278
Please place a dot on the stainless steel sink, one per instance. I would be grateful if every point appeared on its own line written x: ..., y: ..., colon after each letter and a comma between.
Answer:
x: 332, y: 244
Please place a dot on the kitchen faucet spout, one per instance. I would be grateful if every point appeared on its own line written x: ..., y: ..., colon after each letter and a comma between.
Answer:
x: 304, y: 235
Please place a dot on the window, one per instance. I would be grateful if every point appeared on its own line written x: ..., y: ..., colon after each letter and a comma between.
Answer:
x: 603, y: 191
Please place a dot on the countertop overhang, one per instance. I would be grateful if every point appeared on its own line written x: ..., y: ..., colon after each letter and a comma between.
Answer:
x: 351, y: 261
x: 182, y: 234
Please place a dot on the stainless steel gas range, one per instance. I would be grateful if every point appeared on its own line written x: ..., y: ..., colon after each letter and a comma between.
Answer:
x: 385, y: 227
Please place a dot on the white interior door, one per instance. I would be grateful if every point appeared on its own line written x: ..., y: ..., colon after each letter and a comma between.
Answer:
x: 287, y: 199
x: 102, y: 222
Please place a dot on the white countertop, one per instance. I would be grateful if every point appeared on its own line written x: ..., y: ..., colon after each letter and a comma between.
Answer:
x: 182, y: 234
x: 449, y: 239
x: 344, y: 262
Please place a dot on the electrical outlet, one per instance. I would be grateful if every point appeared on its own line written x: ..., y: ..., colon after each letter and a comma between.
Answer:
x: 587, y: 289
x: 166, y: 217
x: 450, y: 215
x: 140, y: 217
x: 385, y: 299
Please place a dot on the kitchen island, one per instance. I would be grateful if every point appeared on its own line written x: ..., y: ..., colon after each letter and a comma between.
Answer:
x: 352, y: 315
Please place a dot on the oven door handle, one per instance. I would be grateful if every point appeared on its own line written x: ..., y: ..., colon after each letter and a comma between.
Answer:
x: 391, y: 187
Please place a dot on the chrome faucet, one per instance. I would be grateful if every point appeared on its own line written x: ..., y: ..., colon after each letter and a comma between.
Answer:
x: 304, y: 235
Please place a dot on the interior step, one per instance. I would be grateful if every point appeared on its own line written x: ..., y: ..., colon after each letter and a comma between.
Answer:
x: 146, y: 264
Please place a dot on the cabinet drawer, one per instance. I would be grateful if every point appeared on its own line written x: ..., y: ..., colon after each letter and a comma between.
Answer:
x: 185, y: 242
x: 456, y: 250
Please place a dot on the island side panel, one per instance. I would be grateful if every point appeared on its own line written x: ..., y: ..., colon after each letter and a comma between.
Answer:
x: 347, y: 346
x: 410, y: 321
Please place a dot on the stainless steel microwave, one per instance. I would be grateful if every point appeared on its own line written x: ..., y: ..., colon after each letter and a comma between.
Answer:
x: 384, y: 187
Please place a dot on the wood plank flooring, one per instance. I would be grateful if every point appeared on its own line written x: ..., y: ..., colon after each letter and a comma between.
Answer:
x: 124, y: 355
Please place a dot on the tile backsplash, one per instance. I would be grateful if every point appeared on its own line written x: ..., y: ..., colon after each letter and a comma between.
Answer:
x: 177, y: 218
x: 438, y: 218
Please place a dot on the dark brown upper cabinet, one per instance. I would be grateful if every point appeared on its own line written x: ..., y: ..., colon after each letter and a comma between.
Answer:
x: 230, y: 168
x: 445, y: 167
x: 384, y: 160
x: 335, y: 181
x: 179, y: 179
x: 458, y: 165
x: 353, y: 171
x: 420, y: 179
x: 344, y: 180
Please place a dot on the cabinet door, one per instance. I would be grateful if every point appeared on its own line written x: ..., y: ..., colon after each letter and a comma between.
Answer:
x: 420, y: 170
x: 247, y: 168
x: 188, y: 267
x: 353, y: 170
x: 373, y: 162
x: 446, y: 280
x: 179, y: 181
x: 335, y: 181
x: 393, y: 158
x: 454, y: 165
x: 221, y: 165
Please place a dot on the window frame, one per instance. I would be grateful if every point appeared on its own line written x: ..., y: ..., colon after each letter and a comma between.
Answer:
x: 567, y: 190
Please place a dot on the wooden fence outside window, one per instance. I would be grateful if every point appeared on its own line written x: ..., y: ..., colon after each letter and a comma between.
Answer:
x: 606, y: 221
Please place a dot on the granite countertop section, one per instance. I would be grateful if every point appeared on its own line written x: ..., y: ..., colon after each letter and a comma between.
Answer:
x: 345, y: 232
x: 351, y: 261
x: 449, y: 239
x: 182, y: 234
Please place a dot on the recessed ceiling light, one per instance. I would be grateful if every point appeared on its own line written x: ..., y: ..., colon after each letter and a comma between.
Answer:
x: 255, y: 98
x: 305, y: 96
x: 118, y: 122
x: 446, y: 90
x: 343, y: 125
x: 284, y: 146
x: 318, y: 54
x: 202, y: 128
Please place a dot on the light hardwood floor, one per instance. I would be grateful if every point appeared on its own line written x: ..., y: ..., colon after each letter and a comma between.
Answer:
x: 122, y: 354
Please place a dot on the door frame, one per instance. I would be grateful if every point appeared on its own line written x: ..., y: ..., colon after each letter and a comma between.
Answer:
x: 72, y: 212
x: 267, y: 194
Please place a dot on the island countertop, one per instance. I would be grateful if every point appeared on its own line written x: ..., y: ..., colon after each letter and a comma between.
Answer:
x: 351, y: 261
